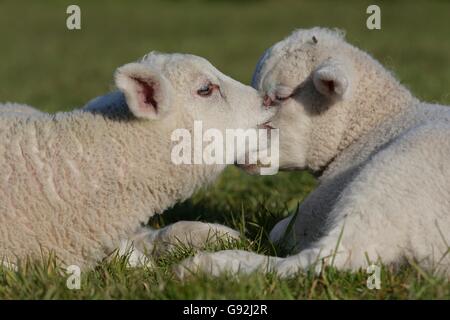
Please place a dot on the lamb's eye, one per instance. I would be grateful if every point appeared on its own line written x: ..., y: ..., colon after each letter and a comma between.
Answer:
x: 283, y: 93
x: 281, y: 98
x: 206, y: 90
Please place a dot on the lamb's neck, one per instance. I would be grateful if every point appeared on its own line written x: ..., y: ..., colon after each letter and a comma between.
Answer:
x: 377, y: 97
x: 375, y: 117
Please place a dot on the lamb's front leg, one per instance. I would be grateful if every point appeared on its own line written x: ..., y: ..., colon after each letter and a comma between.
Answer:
x: 150, y: 243
x: 245, y: 262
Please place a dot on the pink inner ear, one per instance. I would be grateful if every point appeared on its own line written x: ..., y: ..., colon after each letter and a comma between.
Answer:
x: 146, y: 95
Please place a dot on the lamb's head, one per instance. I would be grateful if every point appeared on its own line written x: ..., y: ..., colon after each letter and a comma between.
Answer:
x: 310, y: 76
x: 178, y: 93
x: 170, y: 87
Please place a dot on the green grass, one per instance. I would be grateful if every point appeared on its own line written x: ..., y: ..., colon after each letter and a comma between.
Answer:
x: 47, y: 66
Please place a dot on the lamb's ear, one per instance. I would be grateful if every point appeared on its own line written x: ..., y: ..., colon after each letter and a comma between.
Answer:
x: 330, y: 79
x: 147, y: 91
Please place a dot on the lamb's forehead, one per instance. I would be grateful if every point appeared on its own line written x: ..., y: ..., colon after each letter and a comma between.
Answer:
x: 297, y: 42
x: 180, y: 67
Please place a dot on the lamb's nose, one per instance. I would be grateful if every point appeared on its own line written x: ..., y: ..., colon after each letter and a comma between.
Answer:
x: 267, y: 101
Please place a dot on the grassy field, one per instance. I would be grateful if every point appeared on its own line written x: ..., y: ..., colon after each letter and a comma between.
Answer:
x: 52, y: 68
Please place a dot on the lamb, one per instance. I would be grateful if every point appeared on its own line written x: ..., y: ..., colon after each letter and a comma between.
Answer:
x: 80, y: 183
x: 381, y: 156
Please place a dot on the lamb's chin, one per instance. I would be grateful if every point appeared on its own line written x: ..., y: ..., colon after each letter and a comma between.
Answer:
x: 266, y: 125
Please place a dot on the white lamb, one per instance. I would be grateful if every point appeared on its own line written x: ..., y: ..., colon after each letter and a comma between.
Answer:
x: 382, y: 155
x: 79, y: 183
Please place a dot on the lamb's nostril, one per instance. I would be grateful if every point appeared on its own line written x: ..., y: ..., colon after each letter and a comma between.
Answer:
x: 267, y: 101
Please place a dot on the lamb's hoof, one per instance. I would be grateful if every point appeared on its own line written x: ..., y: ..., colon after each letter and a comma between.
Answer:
x: 135, y: 258
x: 200, y: 263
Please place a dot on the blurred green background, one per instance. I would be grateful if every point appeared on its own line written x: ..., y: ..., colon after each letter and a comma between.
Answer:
x: 47, y: 66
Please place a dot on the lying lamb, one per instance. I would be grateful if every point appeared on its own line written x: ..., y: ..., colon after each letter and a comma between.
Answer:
x: 381, y: 154
x: 79, y: 183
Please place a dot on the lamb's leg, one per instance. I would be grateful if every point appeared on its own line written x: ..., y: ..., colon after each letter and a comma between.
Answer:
x: 239, y: 261
x: 245, y: 262
x: 154, y: 242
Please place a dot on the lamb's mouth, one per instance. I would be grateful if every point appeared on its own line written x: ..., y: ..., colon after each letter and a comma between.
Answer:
x: 253, y: 168
x: 266, y: 125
